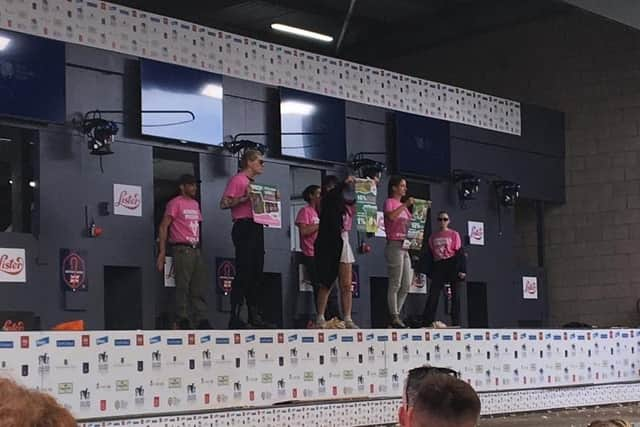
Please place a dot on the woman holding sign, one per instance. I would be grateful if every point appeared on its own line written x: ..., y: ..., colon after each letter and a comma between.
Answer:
x: 248, y: 239
x: 396, y: 222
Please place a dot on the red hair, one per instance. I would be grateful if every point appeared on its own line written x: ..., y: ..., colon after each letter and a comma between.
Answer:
x: 21, y: 407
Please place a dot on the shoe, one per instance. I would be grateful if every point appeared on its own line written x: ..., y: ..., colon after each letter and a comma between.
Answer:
x: 335, y: 323
x: 204, y: 324
x: 397, y: 323
x: 257, y: 321
x: 235, y: 322
x: 321, y: 323
x: 350, y: 324
x: 183, y: 323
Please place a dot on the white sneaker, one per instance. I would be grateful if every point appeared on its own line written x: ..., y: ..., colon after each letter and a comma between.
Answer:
x: 321, y: 323
x: 350, y: 324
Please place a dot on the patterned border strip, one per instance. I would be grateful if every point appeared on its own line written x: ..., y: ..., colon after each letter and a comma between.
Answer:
x: 129, y: 31
x: 385, y: 411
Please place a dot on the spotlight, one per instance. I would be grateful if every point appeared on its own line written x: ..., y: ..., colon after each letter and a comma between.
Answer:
x: 100, y: 135
x: 468, y: 186
x: 367, y: 168
x: 508, y: 192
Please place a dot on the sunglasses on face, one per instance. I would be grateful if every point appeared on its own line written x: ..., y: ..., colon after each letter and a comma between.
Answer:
x: 416, y: 375
x: 443, y: 219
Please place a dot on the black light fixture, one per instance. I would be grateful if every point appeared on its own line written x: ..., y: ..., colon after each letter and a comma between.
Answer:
x: 100, y: 135
x: 468, y: 186
x: 507, y: 192
x: 366, y: 167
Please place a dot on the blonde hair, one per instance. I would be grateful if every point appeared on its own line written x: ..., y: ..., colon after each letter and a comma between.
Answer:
x: 249, y: 156
x: 21, y: 406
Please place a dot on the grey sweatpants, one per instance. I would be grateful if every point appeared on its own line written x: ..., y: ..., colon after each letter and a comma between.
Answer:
x: 400, y: 275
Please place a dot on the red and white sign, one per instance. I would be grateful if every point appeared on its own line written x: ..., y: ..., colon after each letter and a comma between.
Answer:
x: 476, y: 233
x: 13, y: 265
x: 127, y: 200
x: 418, y: 284
x: 169, y: 273
x: 529, y: 287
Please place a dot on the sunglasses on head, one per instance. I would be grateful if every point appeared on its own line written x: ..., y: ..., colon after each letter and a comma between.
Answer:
x: 416, y: 375
x: 443, y: 219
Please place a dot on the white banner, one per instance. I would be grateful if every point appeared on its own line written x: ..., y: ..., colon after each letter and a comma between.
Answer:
x: 418, y: 284
x: 529, y: 287
x: 127, y: 200
x: 13, y: 265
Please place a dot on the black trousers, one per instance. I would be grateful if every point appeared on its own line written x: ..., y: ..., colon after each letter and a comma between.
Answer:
x: 248, y: 239
x: 442, y: 272
x: 333, y: 310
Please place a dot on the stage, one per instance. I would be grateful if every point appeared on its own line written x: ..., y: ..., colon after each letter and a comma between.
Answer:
x: 105, y: 377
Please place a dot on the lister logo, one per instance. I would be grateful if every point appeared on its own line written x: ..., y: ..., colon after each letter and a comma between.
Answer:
x: 128, y: 200
x: 11, y: 265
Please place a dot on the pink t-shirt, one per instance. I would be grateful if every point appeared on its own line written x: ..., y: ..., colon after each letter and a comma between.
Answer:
x: 308, y: 216
x: 396, y: 229
x: 347, y: 218
x: 186, y: 217
x: 444, y: 244
x: 237, y: 187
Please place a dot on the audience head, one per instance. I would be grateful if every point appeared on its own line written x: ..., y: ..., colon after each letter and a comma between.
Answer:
x: 397, y: 186
x: 252, y: 162
x: 329, y: 182
x: 311, y: 194
x: 20, y: 407
x: 435, y: 397
x: 443, y: 220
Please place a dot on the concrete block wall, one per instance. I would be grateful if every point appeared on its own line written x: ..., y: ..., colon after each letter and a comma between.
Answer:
x: 589, y: 68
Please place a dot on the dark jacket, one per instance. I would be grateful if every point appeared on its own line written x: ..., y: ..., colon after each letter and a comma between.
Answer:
x: 425, y: 262
x: 328, y: 246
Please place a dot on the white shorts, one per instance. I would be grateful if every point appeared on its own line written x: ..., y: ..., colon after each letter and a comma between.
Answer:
x: 347, y: 254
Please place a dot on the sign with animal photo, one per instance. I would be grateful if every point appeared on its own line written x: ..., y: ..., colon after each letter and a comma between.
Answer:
x: 418, y: 284
x: 415, y: 232
x: 381, y: 232
x: 127, y: 200
x: 366, y: 208
x: 13, y: 265
x: 266, y: 206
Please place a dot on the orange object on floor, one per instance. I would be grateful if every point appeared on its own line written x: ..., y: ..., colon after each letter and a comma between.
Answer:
x: 73, y: 325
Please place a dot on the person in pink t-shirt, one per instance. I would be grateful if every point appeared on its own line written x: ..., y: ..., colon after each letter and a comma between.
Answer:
x: 445, y: 246
x: 180, y: 225
x: 396, y: 222
x: 248, y: 239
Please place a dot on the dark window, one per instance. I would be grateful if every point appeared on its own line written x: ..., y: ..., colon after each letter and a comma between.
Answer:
x: 18, y: 179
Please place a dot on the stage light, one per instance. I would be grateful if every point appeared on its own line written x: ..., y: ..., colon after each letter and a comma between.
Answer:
x: 213, y: 91
x: 468, y: 186
x: 100, y: 134
x: 33, y: 184
x: 507, y: 192
x: 4, y: 42
x: 297, y: 108
x: 301, y: 32
x: 367, y: 168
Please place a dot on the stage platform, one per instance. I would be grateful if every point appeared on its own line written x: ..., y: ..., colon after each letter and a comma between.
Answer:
x: 291, y: 377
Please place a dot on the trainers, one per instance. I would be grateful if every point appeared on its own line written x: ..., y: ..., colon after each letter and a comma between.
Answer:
x: 321, y: 323
x: 397, y: 323
x: 350, y: 324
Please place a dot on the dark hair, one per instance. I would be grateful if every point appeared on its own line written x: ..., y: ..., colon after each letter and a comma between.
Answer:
x: 394, y: 181
x: 443, y: 212
x: 306, y: 194
x: 248, y: 156
x: 447, y: 398
x: 329, y: 181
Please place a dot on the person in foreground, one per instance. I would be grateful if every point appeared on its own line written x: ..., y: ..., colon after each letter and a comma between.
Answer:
x: 436, y: 397
x: 610, y: 423
x: 21, y: 407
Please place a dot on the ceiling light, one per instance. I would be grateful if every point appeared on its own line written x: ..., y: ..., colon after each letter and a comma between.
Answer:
x: 32, y: 184
x: 214, y: 91
x: 10, y: 182
x: 296, y: 108
x: 4, y: 42
x: 302, y: 33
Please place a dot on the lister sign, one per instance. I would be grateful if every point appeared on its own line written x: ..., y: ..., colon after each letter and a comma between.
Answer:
x: 13, y: 265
